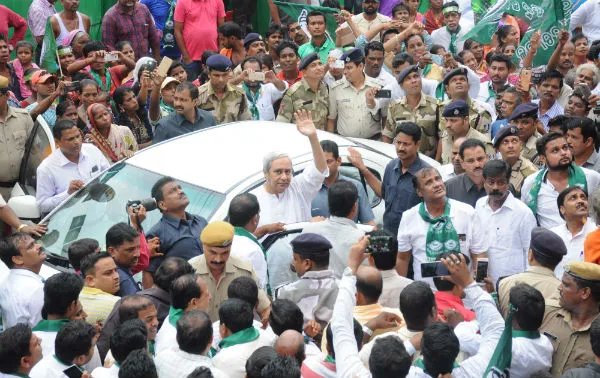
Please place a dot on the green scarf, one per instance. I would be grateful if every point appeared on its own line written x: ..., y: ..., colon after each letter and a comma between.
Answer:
x: 525, y: 334
x: 165, y: 108
x: 330, y: 359
x: 168, y: 35
x: 453, y: 38
x: 151, y: 349
x: 50, y: 325
x: 253, y: 99
x: 421, y: 364
x: 441, y: 235
x: 240, y: 337
x: 576, y: 177
x: 241, y: 231
x: 174, y: 315
x: 440, y: 92
x: 98, y: 79
x: 427, y: 70
x: 502, y: 357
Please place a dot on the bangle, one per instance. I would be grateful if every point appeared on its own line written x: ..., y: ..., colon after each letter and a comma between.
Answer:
x: 367, y: 330
x: 22, y: 226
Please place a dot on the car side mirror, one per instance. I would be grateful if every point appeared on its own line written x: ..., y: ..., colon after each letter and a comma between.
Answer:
x: 25, y: 207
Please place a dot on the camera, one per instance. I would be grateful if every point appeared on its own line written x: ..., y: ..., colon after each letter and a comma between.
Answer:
x: 380, y: 243
x: 149, y: 66
x: 148, y: 203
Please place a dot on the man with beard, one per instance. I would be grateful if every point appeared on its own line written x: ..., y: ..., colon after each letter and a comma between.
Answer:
x: 369, y: 17
x: 583, y: 141
x: 498, y: 70
x: 296, y: 33
x: 508, y: 144
x: 374, y: 59
x: 261, y: 95
x: 435, y: 226
x: 524, y: 118
x: 540, y: 191
x: 573, y: 207
x: 230, y: 35
x: 569, y: 321
x: 548, y: 90
x: 353, y: 109
x: 416, y: 107
x: 451, y: 36
x: 454, y: 168
x: 319, y: 42
x: 288, y: 62
x: 507, y: 222
x: 468, y: 187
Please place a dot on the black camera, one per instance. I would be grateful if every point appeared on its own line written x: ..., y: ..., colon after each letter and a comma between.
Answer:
x: 148, y: 203
x: 149, y: 66
x: 380, y: 243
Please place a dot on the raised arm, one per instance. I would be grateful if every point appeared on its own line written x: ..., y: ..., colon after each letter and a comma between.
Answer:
x: 307, y: 128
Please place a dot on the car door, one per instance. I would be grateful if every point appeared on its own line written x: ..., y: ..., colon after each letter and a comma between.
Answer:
x: 39, y: 145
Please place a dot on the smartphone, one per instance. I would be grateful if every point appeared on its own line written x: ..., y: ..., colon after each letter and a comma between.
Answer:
x: 434, y: 269
x: 110, y: 57
x: 338, y: 64
x: 73, y: 372
x: 256, y: 76
x: 164, y: 66
x: 482, y: 269
x: 525, y: 78
x: 73, y: 86
x: 383, y: 93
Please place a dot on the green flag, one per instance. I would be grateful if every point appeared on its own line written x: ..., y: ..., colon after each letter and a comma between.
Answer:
x: 423, y: 6
x: 548, y: 16
x: 48, y: 60
x: 480, y: 8
x: 300, y: 11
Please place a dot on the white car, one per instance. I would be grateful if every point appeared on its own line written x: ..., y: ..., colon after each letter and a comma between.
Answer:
x: 213, y: 165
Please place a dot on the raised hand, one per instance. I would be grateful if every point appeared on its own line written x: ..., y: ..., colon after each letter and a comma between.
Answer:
x: 304, y: 123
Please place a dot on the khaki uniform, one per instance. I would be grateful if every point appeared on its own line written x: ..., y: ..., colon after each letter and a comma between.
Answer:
x: 541, y: 278
x: 479, y: 118
x: 301, y: 96
x: 519, y: 171
x: 426, y: 115
x: 349, y: 106
x: 447, y: 142
x: 571, y: 346
x: 14, y: 132
x: 232, y: 107
x: 530, y: 152
x: 234, y: 268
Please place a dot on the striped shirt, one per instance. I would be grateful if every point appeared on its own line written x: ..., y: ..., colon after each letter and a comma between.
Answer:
x: 97, y: 303
x: 555, y: 110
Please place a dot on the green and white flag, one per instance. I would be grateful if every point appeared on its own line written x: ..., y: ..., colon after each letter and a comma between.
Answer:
x: 300, y: 11
x: 48, y: 60
x: 548, y: 16
x: 480, y: 8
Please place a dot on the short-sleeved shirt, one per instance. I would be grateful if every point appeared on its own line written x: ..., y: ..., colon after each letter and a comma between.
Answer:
x: 365, y: 25
x: 447, y: 142
x: 555, y: 110
x: 178, y: 237
x: 480, y: 117
x: 14, y: 132
x: 463, y: 189
x: 522, y: 169
x: 175, y: 125
x: 49, y: 115
x: 398, y: 192
x: 322, y: 51
x: 199, y: 18
x: 348, y: 105
x: 412, y: 234
x: 301, y: 96
x: 529, y: 150
x: 232, y: 107
x: 539, y: 277
x: 320, y: 205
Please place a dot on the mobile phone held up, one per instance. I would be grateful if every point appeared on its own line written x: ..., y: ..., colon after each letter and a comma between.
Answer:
x: 73, y: 371
x: 482, y: 269
x: 383, y: 93
x: 434, y: 269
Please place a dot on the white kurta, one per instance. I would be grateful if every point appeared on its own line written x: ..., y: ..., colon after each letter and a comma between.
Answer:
x: 247, y: 250
x: 166, y: 338
x: 232, y: 360
x: 175, y: 363
x: 574, y: 244
x: 21, y: 298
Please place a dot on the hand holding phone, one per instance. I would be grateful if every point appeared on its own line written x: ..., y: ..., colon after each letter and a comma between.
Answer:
x: 73, y: 371
x: 482, y: 269
x: 383, y: 93
x: 111, y: 57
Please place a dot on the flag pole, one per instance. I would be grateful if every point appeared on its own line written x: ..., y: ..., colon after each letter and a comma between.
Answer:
x: 58, y: 61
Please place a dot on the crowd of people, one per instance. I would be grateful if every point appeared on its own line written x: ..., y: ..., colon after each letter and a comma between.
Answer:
x: 486, y: 264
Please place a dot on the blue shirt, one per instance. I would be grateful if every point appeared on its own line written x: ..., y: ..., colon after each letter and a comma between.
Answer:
x: 49, y: 115
x: 175, y: 125
x: 178, y: 238
x: 398, y: 192
x: 128, y: 285
x: 320, y: 204
x: 159, y: 9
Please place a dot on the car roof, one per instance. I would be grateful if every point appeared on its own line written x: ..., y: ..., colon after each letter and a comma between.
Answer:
x: 220, y: 157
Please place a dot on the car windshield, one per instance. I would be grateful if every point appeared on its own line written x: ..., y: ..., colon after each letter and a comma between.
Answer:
x: 101, y: 204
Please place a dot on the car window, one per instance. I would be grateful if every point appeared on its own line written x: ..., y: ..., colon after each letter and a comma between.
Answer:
x: 38, y: 148
x: 101, y: 204
x: 279, y: 259
x: 351, y: 171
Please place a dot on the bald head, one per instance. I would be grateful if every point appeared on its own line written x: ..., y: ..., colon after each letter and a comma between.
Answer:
x: 291, y: 343
x: 369, y: 285
x: 458, y: 169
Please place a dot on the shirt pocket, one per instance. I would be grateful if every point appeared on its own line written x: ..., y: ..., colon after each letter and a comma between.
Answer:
x: 19, y: 138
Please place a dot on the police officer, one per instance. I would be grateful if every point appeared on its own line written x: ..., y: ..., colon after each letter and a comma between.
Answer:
x: 226, y: 102
x: 310, y: 93
x: 508, y: 144
x: 456, y: 85
x: 352, y: 105
x: 456, y: 117
x: 218, y: 269
x: 415, y: 107
x: 316, y: 291
x: 15, y: 128
x: 525, y: 119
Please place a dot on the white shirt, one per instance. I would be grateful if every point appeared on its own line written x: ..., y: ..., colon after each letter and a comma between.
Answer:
x: 232, y: 360
x: 529, y: 356
x: 442, y: 37
x: 166, y: 338
x: 364, y: 25
x: 255, y: 323
x: 294, y: 204
x: 547, y: 209
x: 175, y: 363
x: 56, y: 172
x: 48, y: 339
x: 110, y: 372
x: 587, y: 16
x: 412, y: 234
x: 269, y: 94
x: 485, y: 95
x: 21, y: 298
x: 49, y: 367
x: 447, y: 171
x: 574, y: 244
x: 393, y: 284
x: 247, y: 250
x: 508, y: 231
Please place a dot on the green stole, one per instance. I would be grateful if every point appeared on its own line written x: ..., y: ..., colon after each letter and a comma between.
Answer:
x: 50, y: 325
x: 253, y: 99
x: 453, y: 38
x: 168, y: 35
x: 441, y: 234
x: 174, y: 315
x: 421, y: 364
x: 105, y: 87
x: 576, y: 177
x: 241, y: 337
x: 426, y: 70
x: 241, y: 231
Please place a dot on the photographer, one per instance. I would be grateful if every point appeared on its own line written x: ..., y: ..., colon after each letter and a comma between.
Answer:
x: 149, y: 247
x: 47, y: 88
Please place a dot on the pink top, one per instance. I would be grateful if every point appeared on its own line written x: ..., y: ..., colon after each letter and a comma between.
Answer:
x: 25, y: 92
x: 199, y: 18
